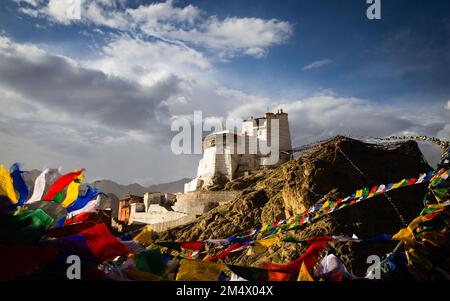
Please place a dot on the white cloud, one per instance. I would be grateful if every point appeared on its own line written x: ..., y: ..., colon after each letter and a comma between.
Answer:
x: 445, y: 132
x: 317, y: 64
x: 83, y: 93
x: 225, y: 38
x: 137, y: 59
x: 33, y: 3
x: 234, y: 35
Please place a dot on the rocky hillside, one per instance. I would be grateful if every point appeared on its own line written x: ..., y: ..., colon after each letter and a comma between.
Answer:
x: 336, y: 168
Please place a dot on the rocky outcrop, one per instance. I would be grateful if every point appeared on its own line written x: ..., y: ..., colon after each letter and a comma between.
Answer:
x: 334, y: 169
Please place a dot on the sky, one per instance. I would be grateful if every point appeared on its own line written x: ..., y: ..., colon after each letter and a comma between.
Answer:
x: 101, y: 92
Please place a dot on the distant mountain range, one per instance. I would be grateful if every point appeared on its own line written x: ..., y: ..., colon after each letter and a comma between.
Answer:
x: 119, y: 190
x: 108, y: 186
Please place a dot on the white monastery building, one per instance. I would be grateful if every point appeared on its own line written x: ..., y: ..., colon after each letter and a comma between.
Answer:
x: 263, y: 142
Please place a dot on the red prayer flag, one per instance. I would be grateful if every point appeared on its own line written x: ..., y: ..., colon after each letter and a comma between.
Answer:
x: 69, y: 229
x: 60, y: 184
x: 277, y: 276
x: 310, y: 258
x: 411, y: 182
x: 103, y: 245
x: 192, y: 245
x: 79, y: 218
x: 226, y: 252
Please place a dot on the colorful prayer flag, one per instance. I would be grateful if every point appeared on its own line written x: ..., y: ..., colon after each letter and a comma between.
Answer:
x: 6, y: 185
x: 60, y: 184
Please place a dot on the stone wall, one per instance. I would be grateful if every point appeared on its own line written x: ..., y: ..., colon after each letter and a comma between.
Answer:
x: 157, y: 217
x: 199, y: 202
x: 163, y: 226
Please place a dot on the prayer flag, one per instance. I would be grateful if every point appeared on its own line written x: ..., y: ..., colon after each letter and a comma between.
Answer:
x: 150, y: 261
x: 39, y: 184
x: 304, y: 275
x: 103, y: 245
x: 6, y: 185
x: 72, y: 191
x: 60, y: 184
x: 19, y: 183
x: 145, y: 236
x: 192, y: 245
x: 24, y: 228
x: 199, y: 270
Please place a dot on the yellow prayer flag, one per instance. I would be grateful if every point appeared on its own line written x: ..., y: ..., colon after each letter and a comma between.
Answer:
x: 6, y: 185
x: 264, y: 228
x: 396, y: 185
x: 198, y: 270
x: 145, y: 236
x: 304, y: 275
x: 358, y: 194
x: 405, y: 235
x: 268, y: 241
x: 326, y: 205
x: 72, y: 191
x: 262, y: 245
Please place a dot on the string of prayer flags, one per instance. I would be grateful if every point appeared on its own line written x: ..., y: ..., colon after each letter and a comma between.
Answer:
x: 319, y: 210
x: 19, y: 183
x: 6, y: 185
x: 61, y: 183
x: 199, y: 270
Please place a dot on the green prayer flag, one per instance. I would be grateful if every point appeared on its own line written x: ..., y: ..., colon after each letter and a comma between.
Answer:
x: 365, y: 192
x: 58, y: 197
x: 150, y: 261
x: 291, y: 239
x: 24, y: 228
